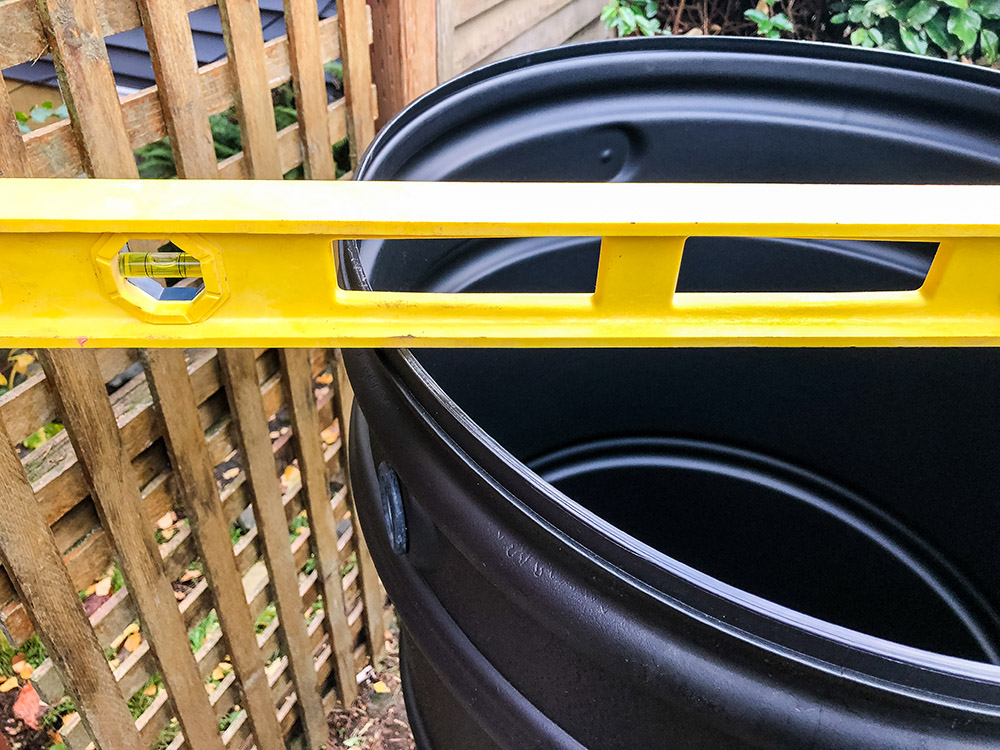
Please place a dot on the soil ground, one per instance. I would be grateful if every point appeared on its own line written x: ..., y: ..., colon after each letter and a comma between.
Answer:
x: 376, y: 720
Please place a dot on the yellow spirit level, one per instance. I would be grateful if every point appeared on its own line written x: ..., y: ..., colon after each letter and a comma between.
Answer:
x: 265, y: 253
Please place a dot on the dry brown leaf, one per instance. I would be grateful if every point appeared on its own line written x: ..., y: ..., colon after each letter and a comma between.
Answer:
x: 67, y: 718
x: 168, y: 534
x: 17, y: 662
x: 103, y: 587
x: 54, y: 737
x: 330, y: 435
x: 21, y: 362
x: 179, y: 595
x: 230, y: 473
x: 190, y: 575
x: 325, y: 379
x: 274, y: 434
x: 150, y: 690
x: 90, y: 590
x: 380, y: 687
x: 209, y: 688
x: 226, y: 667
x: 132, y: 642
x: 29, y: 707
x: 217, y: 674
x: 290, y: 475
x: 9, y: 684
x: 133, y: 628
x: 25, y: 671
x: 166, y: 520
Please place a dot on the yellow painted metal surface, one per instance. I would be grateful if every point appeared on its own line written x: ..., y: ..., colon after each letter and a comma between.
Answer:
x: 266, y: 252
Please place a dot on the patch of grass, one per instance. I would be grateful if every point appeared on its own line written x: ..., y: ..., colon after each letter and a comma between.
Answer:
x: 351, y: 564
x: 231, y: 716
x: 301, y: 521
x: 266, y: 618
x: 236, y: 532
x: 53, y: 717
x: 310, y: 565
x: 168, y: 735
x: 144, y: 697
x: 202, y: 630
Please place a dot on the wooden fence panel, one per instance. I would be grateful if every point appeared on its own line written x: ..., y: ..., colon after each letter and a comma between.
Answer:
x: 97, y: 495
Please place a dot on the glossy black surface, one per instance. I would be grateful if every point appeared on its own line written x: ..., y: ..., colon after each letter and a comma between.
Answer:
x: 754, y: 539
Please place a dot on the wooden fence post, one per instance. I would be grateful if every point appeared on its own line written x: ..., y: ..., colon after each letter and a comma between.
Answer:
x: 404, y: 52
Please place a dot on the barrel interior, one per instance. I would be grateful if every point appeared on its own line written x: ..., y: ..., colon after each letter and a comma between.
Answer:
x: 855, y: 486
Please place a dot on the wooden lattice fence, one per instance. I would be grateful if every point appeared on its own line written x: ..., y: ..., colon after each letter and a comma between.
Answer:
x: 184, y: 549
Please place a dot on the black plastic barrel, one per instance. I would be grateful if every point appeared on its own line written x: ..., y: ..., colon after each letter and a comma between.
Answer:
x: 703, y: 548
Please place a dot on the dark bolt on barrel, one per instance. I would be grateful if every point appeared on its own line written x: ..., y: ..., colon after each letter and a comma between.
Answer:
x: 706, y: 548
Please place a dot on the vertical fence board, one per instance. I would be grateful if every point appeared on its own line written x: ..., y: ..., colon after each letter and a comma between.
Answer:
x: 168, y: 379
x: 97, y: 441
x: 245, y: 48
x: 305, y: 53
x: 370, y: 583
x: 250, y: 420
x: 171, y: 49
x: 316, y: 486
x: 88, y: 86
x: 356, y: 56
x: 29, y: 552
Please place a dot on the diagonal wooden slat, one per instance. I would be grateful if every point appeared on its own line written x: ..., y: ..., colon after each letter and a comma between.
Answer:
x: 297, y: 377
x: 166, y: 372
x: 171, y: 49
x: 250, y: 421
x: 90, y: 421
x: 305, y: 51
x: 13, y: 155
x: 28, y: 550
x: 245, y: 48
x: 374, y: 601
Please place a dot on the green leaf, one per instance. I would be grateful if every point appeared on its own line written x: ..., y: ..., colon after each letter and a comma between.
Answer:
x: 856, y: 13
x: 878, y: 8
x: 937, y: 30
x: 989, y: 43
x: 876, y: 36
x: 839, y: 18
x: 915, y: 42
x: 922, y: 12
x: 899, y: 12
x: 651, y: 9
x: 965, y: 24
x: 781, y: 21
x: 20, y: 116
x: 859, y: 37
x: 758, y: 17
x: 40, y: 114
x: 61, y: 112
x: 986, y: 8
x: 960, y: 4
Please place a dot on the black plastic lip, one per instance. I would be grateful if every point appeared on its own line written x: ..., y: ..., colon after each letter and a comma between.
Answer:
x: 888, y: 665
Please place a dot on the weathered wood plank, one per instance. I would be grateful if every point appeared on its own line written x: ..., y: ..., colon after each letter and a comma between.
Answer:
x: 171, y: 49
x: 247, y: 408
x: 489, y: 31
x: 245, y: 49
x: 355, y: 52
x: 88, y: 86
x: 370, y: 584
x: 309, y: 83
x: 28, y: 550
x: 166, y: 372
x: 322, y: 526
x: 90, y: 421
x: 554, y: 30
x: 13, y: 156
x: 406, y: 50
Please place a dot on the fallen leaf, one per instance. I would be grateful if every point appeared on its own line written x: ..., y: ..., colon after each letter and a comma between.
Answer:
x: 55, y: 737
x: 21, y: 362
x: 9, y: 685
x: 190, y: 575
x: 103, y: 587
x: 217, y: 674
x: 230, y: 473
x: 380, y: 687
x: 132, y: 628
x: 17, y: 662
x: 26, y: 671
x: 274, y: 434
x: 325, y: 379
x: 209, y: 688
x: 28, y: 707
x: 150, y: 690
x: 132, y: 642
x: 166, y: 520
x: 67, y: 718
x: 285, y: 429
x: 290, y: 475
x: 179, y: 595
x: 90, y: 590
x: 3, y: 379
x: 330, y: 435
x: 226, y: 667
x: 168, y: 534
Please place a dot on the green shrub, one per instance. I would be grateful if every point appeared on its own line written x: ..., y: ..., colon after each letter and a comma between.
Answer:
x: 954, y: 29
x: 632, y: 17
